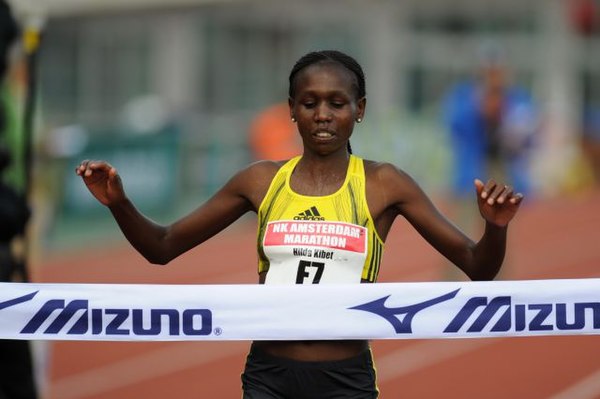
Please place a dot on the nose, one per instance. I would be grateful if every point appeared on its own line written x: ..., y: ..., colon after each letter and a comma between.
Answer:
x: 322, y: 112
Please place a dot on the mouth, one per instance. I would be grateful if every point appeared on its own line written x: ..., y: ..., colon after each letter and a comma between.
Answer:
x: 324, y: 135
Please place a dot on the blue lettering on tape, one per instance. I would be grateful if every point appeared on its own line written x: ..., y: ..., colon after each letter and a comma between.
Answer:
x: 144, y: 322
x: 541, y: 316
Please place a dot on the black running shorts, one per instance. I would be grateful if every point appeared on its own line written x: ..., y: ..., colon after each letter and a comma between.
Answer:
x: 271, y: 377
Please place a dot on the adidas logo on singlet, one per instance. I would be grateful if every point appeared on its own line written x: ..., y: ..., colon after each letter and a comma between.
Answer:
x: 309, y: 214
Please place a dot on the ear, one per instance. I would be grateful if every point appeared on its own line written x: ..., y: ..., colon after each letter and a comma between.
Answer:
x: 361, y: 106
x: 291, y: 105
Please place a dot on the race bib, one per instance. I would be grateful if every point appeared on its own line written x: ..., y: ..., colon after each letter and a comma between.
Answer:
x: 314, y: 252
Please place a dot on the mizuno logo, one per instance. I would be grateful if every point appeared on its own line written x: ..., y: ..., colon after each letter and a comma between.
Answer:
x: 16, y: 301
x: 503, y: 315
x: 495, y: 314
x: 401, y: 317
x: 309, y: 214
x: 76, y: 317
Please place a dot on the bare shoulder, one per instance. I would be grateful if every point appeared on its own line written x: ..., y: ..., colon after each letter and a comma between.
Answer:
x: 254, y: 180
x: 261, y: 170
x: 388, y: 185
x: 384, y: 172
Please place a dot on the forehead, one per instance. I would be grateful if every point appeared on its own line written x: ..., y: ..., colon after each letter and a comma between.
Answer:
x: 325, y: 76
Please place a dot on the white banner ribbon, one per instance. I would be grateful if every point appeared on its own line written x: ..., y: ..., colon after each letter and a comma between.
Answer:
x: 121, y: 312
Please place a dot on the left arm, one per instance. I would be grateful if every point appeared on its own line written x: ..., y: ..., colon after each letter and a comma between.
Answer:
x: 396, y: 193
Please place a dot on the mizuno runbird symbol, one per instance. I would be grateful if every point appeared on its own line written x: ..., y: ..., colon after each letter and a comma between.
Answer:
x: 402, y: 325
x: 15, y: 301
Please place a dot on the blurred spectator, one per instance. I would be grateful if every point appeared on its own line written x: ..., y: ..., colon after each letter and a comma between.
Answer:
x: 273, y: 135
x: 16, y: 371
x: 14, y: 214
x: 585, y: 16
x: 8, y: 34
x: 585, y: 20
x: 492, y: 125
x: 591, y: 140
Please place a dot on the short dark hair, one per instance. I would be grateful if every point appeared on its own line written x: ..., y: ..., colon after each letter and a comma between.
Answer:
x: 332, y: 56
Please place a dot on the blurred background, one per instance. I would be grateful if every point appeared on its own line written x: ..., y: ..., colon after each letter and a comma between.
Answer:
x: 178, y: 96
x: 168, y: 90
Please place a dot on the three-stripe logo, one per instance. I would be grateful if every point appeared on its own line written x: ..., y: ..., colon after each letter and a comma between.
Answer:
x: 310, y: 214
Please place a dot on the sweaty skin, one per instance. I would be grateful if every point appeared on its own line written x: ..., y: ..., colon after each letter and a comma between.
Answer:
x: 326, y: 108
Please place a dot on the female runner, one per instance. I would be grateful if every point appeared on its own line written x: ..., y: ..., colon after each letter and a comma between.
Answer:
x: 326, y: 190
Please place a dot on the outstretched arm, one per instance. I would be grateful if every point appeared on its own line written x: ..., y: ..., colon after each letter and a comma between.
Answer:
x: 160, y: 244
x: 479, y: 260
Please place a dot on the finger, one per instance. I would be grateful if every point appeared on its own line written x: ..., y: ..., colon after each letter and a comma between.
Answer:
x: 100, y: 166
x: 478, y: 186
x: 81, y: 167
x: 494, y: 194
x: 88, y: 169
x: 516, y: 199
x: 506, y: 193
x: 84, y: 168
x: 488, y: 188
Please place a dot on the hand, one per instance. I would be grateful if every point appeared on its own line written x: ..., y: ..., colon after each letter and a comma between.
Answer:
x: 103, y: 181
x: 498, y: 204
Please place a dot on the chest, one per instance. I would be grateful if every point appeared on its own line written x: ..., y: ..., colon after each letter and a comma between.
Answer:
x: 317, y: 185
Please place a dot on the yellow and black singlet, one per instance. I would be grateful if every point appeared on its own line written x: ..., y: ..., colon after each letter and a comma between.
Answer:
x: 318, y: 239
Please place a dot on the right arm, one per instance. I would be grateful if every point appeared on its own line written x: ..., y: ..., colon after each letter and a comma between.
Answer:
x: 160, y: 244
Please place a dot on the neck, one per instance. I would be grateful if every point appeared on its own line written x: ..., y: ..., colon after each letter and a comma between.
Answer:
x: 330, y: 162
x: 320, y: 175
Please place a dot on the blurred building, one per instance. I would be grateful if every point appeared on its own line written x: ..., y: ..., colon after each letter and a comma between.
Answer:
x: 215, y: 64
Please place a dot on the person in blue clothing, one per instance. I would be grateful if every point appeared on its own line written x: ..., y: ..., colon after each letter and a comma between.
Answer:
x: 492, y: 125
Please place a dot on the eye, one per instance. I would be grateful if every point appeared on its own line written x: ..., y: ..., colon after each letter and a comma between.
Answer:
x: 308, y: 104
x: 338, y: 101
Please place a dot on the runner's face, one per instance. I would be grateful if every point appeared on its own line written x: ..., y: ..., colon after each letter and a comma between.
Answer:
x: 326, y: 107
